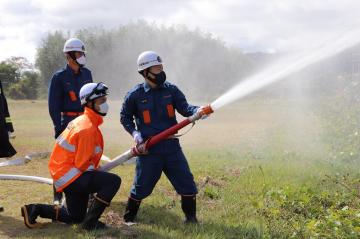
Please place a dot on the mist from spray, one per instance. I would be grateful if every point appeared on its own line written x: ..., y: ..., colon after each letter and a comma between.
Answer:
x: 286, y: 66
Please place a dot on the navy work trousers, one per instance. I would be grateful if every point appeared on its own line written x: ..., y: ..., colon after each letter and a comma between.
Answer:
x: 150, y: 167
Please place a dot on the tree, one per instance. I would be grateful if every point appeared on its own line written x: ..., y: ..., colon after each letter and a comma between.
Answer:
x: 9, y: 74
x: 19, y: 78
x: 21, y: 63
x: 50, y: 56
x: 26, y: 88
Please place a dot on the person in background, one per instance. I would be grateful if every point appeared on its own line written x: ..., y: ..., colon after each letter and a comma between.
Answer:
x: 63, y: 99
x: 6, y: 129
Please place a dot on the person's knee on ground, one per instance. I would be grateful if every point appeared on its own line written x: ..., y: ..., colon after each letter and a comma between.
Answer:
x: 31, y: 212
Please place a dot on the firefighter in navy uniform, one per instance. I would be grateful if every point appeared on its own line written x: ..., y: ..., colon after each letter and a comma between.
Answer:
x: 6, y: 128
x: 152, y: 104
x: 64, y: 103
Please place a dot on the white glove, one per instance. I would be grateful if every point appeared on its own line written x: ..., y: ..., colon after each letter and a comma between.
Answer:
x: 137, y: 137
x: 141, y: 148
x: 199, y: 110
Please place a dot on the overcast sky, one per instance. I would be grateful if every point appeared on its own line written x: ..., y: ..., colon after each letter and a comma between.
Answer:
x: 252, y: 25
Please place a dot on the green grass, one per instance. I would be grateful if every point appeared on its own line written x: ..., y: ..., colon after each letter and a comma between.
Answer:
x: 263, y: 171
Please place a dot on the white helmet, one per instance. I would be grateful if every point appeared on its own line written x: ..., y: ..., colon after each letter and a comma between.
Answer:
x: 148, y: 59
x: 74, y: 44
x: 92, y: 91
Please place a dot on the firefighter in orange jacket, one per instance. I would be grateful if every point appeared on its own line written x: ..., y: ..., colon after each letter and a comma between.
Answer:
x: 73, y: 167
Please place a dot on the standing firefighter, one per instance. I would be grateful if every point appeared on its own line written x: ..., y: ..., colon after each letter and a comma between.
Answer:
x: 64, y: 102
x: 73, y: 167
x: 6, y: 128
x: 152, y: 104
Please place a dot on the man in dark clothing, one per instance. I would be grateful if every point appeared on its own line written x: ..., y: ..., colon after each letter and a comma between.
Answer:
x: 6, y: 128
x: 152, y: 106
x: 64, y: 102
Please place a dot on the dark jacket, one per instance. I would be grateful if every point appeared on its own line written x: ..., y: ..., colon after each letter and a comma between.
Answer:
x: 6, y: 126
x: 152, y: 111
x: 64, y: 98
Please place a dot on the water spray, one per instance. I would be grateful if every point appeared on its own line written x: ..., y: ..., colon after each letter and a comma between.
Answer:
x: 286, y: 66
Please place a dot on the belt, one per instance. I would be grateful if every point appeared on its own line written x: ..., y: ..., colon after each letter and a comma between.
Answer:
x: 72, y: 113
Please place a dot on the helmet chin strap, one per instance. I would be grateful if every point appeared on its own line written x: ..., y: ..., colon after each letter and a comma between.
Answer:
x: 94, y: 109
x: 73, y: 57
x: 150, y: 79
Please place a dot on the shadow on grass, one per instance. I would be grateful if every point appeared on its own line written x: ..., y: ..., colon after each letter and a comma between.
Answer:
x: 154, y: 222
x: 161, y: 222
x: 10, y: 226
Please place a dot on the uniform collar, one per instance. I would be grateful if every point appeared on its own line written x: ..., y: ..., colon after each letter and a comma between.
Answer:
x: 68, y: 68
x: 95, y: 118
x: 147, y: 87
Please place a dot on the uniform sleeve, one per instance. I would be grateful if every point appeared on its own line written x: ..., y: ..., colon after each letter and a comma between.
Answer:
x: 85, y: 150
x: 181, y: 104
x: 90, y: 76
x: 127, y: 113
x: 9, y: 125
x: 54, y: 101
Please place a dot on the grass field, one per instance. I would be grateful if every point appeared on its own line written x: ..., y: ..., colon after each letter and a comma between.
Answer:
x: 264, y: 169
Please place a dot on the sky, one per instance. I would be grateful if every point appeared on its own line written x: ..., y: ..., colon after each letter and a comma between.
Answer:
x: 251, y: 25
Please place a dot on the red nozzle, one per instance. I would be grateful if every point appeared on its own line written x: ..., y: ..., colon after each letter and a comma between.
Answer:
x: 207, y: 110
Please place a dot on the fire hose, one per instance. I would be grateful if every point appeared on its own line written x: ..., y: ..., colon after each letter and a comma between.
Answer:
x: 135, y: 151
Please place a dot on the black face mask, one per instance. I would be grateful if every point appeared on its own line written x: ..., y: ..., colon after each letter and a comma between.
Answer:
x: 160, y: 78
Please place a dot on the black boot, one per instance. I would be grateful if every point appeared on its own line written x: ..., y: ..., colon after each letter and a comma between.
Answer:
x: 91, y: 221
x: 32, y: 211
x: 132, y: 208
x: 58, y: 197
x: 188, y: 205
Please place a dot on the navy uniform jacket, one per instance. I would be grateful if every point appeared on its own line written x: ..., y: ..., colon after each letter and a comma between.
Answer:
x: 64, y: 91
x: 154, y: 111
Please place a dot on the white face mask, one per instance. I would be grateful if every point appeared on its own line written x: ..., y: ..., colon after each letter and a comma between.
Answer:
x: 81, y: 60
x: 104, y: 108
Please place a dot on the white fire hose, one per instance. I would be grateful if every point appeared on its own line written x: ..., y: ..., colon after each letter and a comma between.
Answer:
x: 118, y: 160
x: 26, y: 178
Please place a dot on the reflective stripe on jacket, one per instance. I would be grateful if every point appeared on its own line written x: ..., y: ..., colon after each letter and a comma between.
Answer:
x: 77, y: 149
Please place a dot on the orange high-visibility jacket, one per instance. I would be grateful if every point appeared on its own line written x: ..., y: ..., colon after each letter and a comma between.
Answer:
x: 77, y: 149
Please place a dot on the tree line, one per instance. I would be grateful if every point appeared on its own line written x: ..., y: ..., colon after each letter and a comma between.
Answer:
x: 202, y: 65
x: 19, y: 78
